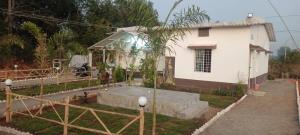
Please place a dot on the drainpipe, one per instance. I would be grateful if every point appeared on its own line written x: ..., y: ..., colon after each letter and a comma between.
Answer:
x: 249, y: 70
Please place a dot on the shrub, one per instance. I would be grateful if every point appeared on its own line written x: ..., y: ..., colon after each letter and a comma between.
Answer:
x: 149, y: 83
x: 119, y: 74
x: 167, y: 86
x: 271, y: 77
x: 237, y: 91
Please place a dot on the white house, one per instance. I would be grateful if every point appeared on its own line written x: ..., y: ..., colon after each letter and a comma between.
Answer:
x: 211, y: 55
x: 221, y: 54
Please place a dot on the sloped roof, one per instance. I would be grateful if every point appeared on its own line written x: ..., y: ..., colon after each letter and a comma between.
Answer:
x: 108, y: 42
x: 244, y: 23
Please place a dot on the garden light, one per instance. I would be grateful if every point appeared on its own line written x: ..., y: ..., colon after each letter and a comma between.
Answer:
x: 8, y: 82
x: 142, y: 101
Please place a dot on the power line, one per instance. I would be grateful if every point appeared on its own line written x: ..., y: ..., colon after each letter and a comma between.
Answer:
x: 285, y: 25
x: 52, y: 19
x: 296, y: 15
x: 287, y: 31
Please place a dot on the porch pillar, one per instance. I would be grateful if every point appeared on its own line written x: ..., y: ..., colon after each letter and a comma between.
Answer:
x: 90, y: 57
x: 103, y: 51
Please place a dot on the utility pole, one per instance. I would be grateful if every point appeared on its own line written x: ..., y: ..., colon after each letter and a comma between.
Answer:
x: 284, y: 54
x: 10, y: 8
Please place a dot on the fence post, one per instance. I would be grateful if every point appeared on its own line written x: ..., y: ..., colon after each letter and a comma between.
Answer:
x: 6, y: 74
x: 8, y: 104
x: 41, y: 95
x: 90, y: 77
x: 142, y: 120
x: 66, y: 119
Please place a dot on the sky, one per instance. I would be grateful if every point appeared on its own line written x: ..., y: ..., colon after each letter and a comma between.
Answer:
x: 235, y: 10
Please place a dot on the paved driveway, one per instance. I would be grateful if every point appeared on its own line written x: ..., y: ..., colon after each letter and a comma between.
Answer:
x: 275, y: 113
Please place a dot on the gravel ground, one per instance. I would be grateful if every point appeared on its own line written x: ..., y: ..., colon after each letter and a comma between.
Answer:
x: 275, y: 113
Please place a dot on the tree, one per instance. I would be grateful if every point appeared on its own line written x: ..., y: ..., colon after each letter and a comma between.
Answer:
x: 171, y: 30
x: 41, y: 52
x: 59, y: 41
x: 134, y: 51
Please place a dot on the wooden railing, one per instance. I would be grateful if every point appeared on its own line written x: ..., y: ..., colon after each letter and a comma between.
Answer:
x: 25, y: 74
x: 65, y: 122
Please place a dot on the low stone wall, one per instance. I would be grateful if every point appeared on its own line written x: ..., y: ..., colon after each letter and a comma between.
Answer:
x: 171, y: 103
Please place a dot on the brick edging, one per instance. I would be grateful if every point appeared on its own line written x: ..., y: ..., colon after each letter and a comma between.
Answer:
x: 216, y: 117
x: 13, y: 131
x: 298, y: 100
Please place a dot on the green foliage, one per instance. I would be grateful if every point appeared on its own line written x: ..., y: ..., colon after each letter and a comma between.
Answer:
x: 237, y: 91
x: 119, y: 74
x: 168, y: 125
x: 52, y: 88
x: 157, y: 36
x: 102, y: 67
x: 63, y: 41
x: 41, y: 52
x: 12, y: 40
x: 287, y: 61
x: 218, y: 101
x: 89, y: 20
x: 147, y: 69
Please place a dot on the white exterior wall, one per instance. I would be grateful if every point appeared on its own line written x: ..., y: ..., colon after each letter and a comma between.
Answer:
x: 230, y: 59
x: 126, y: 60
x: 259, y: 60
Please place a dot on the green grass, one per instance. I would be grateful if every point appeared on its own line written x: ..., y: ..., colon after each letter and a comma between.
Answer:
x: 218, y: 101
x: 52, y: 88
x: 165, y: 125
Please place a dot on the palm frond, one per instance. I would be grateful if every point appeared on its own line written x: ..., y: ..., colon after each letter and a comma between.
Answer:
x: 12, y: 40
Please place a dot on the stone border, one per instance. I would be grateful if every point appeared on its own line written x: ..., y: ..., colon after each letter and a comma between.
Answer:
x: 216, y: 117
x: 68, y: 91
x: 298, y: 100
x: 13, y: 131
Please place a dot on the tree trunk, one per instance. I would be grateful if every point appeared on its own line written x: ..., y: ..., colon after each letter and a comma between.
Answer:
x: 154, y: 101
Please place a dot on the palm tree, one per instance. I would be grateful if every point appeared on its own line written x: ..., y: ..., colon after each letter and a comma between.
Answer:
x: 59, y: 42
x: 171, y: 30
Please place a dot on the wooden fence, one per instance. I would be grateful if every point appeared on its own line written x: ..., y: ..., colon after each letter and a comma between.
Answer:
x: 25, y: 74
x: 64, y: 121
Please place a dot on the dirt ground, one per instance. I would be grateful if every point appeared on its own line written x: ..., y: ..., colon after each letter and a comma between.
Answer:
x: 275, y: 113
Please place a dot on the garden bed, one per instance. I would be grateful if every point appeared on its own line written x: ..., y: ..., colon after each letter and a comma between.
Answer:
x: 165, y: 125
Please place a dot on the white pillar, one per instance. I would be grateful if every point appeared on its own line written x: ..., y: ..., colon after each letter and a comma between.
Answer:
x: 90, y: 57
x: 103, y: 56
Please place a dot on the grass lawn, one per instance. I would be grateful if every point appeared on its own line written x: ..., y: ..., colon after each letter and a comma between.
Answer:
x: 218, y: 101
x: 165, y: 125
x: 52, y: 88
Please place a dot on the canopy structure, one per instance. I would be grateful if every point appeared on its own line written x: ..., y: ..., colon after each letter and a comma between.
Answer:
x: 108, y: 43
x: 108, y: 50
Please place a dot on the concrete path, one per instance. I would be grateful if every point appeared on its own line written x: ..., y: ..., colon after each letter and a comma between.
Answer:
x: 275, y: 113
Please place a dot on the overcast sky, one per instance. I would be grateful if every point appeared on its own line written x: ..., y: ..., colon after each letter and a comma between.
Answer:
x: 234, y: 10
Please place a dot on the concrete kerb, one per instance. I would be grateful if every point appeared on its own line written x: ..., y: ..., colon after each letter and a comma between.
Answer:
x: 56, y: 93
x: 216, y: 117
x: 13, y: 131
x: 62, y: 92
x: 298, y: 100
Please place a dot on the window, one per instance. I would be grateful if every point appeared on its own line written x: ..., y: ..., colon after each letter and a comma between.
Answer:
x: 203, y: 60
x: 203, y: 32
